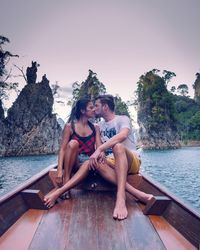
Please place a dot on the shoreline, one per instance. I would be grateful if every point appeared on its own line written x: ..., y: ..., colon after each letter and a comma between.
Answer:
x: 189, y: 143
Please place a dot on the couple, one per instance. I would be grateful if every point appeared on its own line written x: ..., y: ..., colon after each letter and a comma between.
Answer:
x: 107, y: 147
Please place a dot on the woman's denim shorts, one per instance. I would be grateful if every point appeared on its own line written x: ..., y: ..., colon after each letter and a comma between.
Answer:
x: 82, y: 158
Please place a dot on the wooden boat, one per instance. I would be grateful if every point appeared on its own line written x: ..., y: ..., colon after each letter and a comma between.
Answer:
x: 85, y: 221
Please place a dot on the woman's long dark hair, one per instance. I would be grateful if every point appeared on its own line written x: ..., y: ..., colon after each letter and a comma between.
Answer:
x: 80, y: 105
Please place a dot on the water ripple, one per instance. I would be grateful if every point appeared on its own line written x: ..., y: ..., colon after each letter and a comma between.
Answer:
x: 178, y: 170
x: 15, y: 170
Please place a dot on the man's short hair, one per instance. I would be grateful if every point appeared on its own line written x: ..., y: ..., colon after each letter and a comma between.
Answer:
x: 107, y: 99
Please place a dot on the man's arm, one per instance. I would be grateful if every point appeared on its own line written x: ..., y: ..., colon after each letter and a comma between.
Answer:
x: 120, y: 137
x: 98, y: 136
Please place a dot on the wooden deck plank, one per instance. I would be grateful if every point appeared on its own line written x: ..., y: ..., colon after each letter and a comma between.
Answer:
x: 85, y: 222
x: 19, y: 236
x: 52, y: 232
x: 141, y: 233
x: 110, y: 231
x: 172, y: 239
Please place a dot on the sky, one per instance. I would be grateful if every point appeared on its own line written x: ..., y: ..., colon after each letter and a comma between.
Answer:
x: 118, y: 39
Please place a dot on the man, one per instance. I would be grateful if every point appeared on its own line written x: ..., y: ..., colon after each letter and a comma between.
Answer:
x: 119, y: 147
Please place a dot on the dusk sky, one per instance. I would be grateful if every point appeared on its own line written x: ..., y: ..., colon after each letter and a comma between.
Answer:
x: 119, y: 40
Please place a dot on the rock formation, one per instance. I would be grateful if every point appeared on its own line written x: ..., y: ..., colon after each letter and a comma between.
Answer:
x: 157, y: 128
x: 164, y: 137
x: 197, y: 88
x: 30, y: 128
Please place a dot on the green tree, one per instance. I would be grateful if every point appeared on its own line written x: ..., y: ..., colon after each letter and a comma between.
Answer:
x: 156, y: 108
x: 173, y: 89
x: 168, y: 75
x: 185, y: 113
x: 183, y: 89
x: 121, y: 108
x: 5, y: 56
x: 91, y: 87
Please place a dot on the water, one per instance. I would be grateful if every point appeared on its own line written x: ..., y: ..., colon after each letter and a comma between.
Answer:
x: 178, y: 170
x: 15, y: 170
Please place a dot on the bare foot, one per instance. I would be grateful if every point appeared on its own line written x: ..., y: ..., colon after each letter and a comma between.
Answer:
x: 146, y: 198
x: 47, y: 195
x: 120, y: 210
x: 50, y: 199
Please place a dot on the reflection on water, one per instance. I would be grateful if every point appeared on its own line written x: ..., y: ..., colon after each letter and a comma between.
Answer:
x: 178, y: 170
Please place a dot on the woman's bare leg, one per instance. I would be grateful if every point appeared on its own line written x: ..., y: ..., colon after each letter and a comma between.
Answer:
x: 69, y: 161
x: 81, y: 174
x: 70, y: 158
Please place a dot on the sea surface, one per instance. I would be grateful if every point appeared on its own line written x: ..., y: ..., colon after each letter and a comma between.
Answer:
x: 178, y: 170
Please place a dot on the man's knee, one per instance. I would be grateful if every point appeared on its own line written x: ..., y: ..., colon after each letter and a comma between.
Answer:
x: 73, y: 144
x: 118, y: 148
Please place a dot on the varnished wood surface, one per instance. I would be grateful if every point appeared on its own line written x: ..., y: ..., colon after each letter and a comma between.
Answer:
x: 34, y: 199
x: 13, y: 205
x: 172, y: 239
x: 181, y: 216
x: 85, y: 222
x: 19, y: 236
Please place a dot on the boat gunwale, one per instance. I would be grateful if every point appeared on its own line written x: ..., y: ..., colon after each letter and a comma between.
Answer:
x: 145, y: 177
x: 168, y: 193
x: 26, y: 184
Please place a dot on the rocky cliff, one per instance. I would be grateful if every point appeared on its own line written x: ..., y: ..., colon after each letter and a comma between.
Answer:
x: 157, y: 128
x: 30, y: 128
x: 164, y: 137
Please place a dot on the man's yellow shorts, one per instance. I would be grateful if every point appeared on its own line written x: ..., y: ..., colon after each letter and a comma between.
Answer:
x: 135, y: 164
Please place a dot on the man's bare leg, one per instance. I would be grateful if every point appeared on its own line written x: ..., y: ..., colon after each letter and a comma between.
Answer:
x: 120, y: 210
x: 50, y: 199
x: 109, y: 174
x: 69, y: 161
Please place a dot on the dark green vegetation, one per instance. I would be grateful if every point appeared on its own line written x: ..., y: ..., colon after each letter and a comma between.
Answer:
x: 188, y: 117
x: 92, y: 87
x: 160, y: 107
x: 5, y: 56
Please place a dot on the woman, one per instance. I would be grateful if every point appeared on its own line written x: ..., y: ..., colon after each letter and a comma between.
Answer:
x: 78, y: 142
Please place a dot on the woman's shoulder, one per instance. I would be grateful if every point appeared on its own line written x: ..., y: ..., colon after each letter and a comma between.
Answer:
x: 68, y: 127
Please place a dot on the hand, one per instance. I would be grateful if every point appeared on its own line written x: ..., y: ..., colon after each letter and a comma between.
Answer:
x: 92, y: 164
x: 59, y: 179
x: 94, y: 159
x: 102, y: 158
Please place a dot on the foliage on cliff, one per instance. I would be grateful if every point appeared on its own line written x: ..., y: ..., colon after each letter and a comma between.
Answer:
x: 154, y: 98
x: 92, y: 87
x: 5, y: 56
x: 197, y: 88
x: 158, y: 107
x: 187, y: 113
